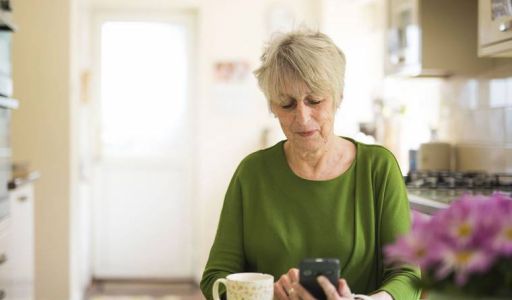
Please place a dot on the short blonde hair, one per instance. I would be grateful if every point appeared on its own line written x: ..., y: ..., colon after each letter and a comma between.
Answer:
x: 304, y: 56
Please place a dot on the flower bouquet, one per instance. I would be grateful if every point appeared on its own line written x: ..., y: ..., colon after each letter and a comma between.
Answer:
x: 464, y: 250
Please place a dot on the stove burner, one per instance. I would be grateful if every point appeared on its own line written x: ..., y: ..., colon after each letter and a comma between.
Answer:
x: 459, y: 180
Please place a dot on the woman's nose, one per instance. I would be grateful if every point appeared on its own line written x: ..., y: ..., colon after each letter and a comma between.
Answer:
x: 303, y: 113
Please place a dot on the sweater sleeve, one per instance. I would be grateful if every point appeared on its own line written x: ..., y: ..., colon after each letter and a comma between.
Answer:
x: 401, y: 282
x: 227, y: 253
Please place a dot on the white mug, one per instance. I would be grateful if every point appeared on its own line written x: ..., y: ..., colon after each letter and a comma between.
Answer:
x: 246, y: 286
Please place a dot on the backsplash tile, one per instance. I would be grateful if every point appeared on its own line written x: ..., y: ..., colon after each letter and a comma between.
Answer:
x: 498, y: 92
x: 509, y: 91
x: 508, y: 125
x: 476, y: 117
x: 473, y: 112
x: 508, y: 159
x: 470, y: 95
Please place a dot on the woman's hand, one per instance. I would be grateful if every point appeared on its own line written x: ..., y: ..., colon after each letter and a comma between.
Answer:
x: 288, y: 287
x: 284, y: 287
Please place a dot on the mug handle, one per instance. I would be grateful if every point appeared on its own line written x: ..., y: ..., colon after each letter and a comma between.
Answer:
x: 216, y: 287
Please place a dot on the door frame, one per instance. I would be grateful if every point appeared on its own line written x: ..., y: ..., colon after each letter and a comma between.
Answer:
x: 183, y: 16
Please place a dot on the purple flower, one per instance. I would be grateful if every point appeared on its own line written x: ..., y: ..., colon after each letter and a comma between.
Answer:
x: 502, y: 240
x: 467, y: 238
x: 463, y: 262
x: 459, y: 225
x: 416, y: 247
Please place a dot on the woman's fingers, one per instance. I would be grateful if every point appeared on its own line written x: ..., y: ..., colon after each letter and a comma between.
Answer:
x: 279, y: 291
x: 284, y: 289
x: 293, y: 274
x: 330, y: 290
x: 301, y: 292
x: 343, y: 288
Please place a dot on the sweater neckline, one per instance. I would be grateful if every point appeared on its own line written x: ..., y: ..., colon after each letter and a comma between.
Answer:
x: 290, y: 172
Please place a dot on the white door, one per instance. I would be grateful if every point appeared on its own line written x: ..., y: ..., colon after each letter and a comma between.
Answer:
x: 142, y: 206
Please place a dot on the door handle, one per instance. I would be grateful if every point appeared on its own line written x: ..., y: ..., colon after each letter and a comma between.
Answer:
x: 3, y: 259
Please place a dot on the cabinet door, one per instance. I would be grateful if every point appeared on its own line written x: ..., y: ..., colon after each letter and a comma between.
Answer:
x: 5, y: 269
x: 20, y: 249
x: 403, y: 41
x: 495, y: 21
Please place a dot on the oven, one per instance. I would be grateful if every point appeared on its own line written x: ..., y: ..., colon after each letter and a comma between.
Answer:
x: 5, y: 63
x: 6, y: 30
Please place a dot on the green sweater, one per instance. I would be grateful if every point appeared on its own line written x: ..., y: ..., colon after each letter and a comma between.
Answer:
x: 272, y: 219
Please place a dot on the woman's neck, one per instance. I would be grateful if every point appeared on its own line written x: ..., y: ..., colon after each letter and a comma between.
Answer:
x: 321, y: 164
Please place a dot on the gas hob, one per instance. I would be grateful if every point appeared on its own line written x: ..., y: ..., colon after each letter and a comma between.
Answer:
x: 430, y: 191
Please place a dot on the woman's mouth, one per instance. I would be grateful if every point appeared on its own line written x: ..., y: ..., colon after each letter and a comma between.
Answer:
x: 306, y: 133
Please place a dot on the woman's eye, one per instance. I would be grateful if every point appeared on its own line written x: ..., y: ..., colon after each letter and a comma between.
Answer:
x: 314, y: 101
x: 288, y: 105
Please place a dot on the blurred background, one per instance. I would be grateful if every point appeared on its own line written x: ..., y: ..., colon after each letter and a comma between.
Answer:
x: 124, y: 121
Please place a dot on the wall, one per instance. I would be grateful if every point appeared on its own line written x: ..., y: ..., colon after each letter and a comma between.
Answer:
x: 228, y: 131
x: 356, y: 27
x: 226, y: 128
x: 41, y: 133
x: 80, y: 212
x: 476, y: 114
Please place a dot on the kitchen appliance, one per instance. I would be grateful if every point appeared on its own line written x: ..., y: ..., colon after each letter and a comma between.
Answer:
x: 430, y: 191
x: 5, y: 63
x: 6, y: 29
x: 433, y: 38
x: 434, y: 156
x: 6, y: 103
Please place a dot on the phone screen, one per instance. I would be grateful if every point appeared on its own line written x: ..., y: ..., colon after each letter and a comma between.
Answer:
x: 311, y: 268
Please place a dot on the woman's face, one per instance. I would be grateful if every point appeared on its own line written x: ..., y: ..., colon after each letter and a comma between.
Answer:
x: 306, y: 119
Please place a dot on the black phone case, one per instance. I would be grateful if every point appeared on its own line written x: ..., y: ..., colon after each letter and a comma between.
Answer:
x: 311, y: 268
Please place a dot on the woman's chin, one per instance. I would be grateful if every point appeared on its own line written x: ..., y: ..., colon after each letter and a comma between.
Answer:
x: 312, y: 143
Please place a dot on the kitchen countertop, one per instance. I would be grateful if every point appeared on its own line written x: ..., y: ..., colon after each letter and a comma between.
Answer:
x: 425, y: 205
x: 428, y: 201
x: 18, y: 181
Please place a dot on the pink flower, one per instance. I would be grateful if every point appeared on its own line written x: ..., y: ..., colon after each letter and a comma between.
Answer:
x: 502, y: 241
x: 463, y: 262
x: 467, y: 238
x: 416, y: 247
x: 460, y: 225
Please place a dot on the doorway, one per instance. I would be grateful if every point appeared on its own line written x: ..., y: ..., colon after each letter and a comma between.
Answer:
x: 142, y: 208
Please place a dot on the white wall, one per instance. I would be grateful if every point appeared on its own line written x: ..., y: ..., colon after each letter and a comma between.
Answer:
x: 358, y: 28
x: 230, y: 29
x: 48, y: 58
x: 224, y: 130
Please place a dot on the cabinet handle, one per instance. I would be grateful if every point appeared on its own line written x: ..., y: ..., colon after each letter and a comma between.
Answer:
x: 2, y: 294
x: 505, y: 26
x: 3, y: 259
x: 22, y: 198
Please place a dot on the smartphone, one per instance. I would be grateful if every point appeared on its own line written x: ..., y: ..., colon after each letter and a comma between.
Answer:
x: 311, y: 268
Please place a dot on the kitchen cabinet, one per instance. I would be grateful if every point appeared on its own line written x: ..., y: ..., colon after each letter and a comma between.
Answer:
x: 433, y: 38
x: 495, y: 28
x: 4, y: 268
x: 17, y: 246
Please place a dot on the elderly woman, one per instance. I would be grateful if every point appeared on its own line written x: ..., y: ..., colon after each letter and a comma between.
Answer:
x: 314, y: 194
